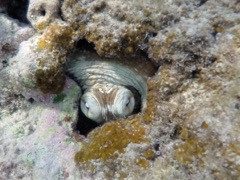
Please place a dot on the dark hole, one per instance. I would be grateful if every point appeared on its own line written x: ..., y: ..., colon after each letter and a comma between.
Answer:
x: 201, y: 2
x: 16, y: 9
x: 18, y: 96
x: 237, y: 106
x: 149, y: 35
x: 156, y: 146
x: 214, y: 35
x: 83, y: 44
x: 31, y: 100
x: 195, y: 73
x: 144, y: 54
x: 176, y: 131
x: 84, y: 124
x: 152, y: 34
x: 137, y: 97
x: 5, y: 63
x: 42, y: 12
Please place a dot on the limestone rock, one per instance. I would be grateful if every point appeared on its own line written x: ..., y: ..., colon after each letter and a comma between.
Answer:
x: 42, y: 13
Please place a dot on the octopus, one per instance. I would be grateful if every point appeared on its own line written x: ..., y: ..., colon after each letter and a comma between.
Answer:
x: 111, y: 88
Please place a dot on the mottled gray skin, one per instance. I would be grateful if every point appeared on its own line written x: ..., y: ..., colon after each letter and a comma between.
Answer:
x: 92, y: 73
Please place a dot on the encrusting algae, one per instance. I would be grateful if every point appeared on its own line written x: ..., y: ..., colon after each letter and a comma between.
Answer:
x: 56, y: 37
x: 54, y: 44
x: 191, y: 149
x: 107, y: 142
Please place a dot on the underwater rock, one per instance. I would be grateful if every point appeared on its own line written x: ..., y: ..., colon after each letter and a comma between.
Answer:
x: 190, y: 126
x: 114, y: 27
x: 37, y: 138
x: 42, y: 13
x: 12, y: 33
x: 43, y: 57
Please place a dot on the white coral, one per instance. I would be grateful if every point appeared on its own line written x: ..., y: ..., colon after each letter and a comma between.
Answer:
x: 42, y: 11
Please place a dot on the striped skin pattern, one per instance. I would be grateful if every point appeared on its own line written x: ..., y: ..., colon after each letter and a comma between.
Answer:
x: 104, y: 84
x: 104, y: 102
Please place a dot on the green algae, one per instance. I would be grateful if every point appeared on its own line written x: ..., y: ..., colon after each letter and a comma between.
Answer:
x: 59, y: 98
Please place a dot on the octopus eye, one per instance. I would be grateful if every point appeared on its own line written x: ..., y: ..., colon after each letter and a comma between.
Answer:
x: 127, y: 102
x: 124, y: 103
x: 87, y: 106
x: 91, y: 107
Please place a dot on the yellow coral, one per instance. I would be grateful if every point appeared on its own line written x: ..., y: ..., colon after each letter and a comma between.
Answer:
x: 111, y: 139
x: 142, y: 162
x: 56, y: 37
x: 192, y: 149
x: 55, y: 42
x: 41, y: 25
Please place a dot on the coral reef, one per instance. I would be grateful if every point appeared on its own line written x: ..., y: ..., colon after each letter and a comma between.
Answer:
x: 44, y: 57
x: 108, y: 146
x: 36, y: 139
x: 190, y: 127
x: 120, y: 34
x: 51, y: 49
x: 11, y: 35
x: 111, y: 138
x: 183, y: 99
x: 42, y: 13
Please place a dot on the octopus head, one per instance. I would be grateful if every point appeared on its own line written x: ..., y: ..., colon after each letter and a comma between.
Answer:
x: 104, y: 102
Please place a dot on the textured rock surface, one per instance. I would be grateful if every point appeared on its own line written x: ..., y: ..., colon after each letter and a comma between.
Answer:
x: 43, y: 12
x: 12, y: 33
x: 190, y: 128
x: 37, y: 136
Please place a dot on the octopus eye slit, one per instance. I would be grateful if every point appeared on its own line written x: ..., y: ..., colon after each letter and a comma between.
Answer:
x: 86, y: 105
x: 128, y: 101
